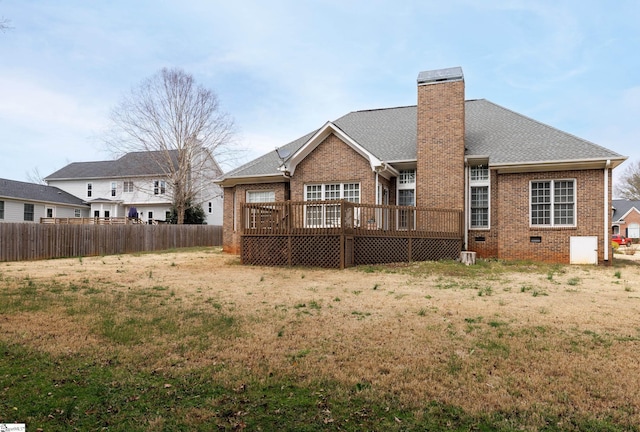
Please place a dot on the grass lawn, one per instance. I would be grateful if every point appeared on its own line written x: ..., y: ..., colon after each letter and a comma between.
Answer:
x: 191, y: 340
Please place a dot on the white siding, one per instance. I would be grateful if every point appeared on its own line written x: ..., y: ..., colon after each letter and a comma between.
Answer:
x: 142, y: 190
x: 142, y: 197
x: 14, y: 210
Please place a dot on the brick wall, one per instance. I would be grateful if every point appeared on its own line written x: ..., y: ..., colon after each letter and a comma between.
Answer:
x: 440, y: 168
x: 510, y: 233
x: 333, y: 161
x: 231, y: 236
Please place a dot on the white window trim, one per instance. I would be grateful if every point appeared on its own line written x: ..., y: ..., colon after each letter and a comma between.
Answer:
x: 324, y: 223
x: 253, y: 214
x: 161, y: 188
x: 259, y: 191
x: 552, y: 216
x: 33, y: 212
x: 407, y: 185
x: 482, y: 183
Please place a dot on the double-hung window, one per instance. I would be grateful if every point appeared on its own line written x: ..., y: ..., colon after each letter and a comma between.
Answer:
x: 328, y: 215
x: 259, y: 216
x: 114, y: 189
x: 89, y: 190
x: 479, y: 197
x: 553, y: 203
x: 1, y: 209
x: 159, y: 187
x: 127, y: 186
x: 28, y: 212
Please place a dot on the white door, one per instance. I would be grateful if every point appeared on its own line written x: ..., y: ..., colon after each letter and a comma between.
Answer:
x: 583, y: 250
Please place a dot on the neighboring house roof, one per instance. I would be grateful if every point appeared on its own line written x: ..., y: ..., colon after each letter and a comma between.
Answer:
x: 621, y: 208
x: 132, y: 164
x: 18, y: 190
x: 505, y: 137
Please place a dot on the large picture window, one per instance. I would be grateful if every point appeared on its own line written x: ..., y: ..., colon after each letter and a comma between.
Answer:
x: 553, y: 203
x: 328, y: 215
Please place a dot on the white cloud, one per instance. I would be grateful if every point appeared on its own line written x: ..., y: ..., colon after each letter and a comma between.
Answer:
x: 26, y: 102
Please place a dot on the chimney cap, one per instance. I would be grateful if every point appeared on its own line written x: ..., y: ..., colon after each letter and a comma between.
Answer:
x: 440, y: 75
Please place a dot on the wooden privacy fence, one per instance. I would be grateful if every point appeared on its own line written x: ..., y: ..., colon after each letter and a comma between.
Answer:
x: 29, y: 241
x: 341, y: 233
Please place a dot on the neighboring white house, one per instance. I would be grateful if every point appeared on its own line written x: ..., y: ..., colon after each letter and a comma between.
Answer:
x: 135, y: 184
x: 28, y: 202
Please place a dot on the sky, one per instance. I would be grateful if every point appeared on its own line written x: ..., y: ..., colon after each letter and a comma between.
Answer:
x: 282, y: 68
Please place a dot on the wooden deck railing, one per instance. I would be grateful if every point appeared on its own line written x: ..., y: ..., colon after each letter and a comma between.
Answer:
x: 92, y: 221
x: 344, y: 217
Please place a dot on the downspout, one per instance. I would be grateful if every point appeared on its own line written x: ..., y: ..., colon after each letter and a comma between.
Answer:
x: 376, y: 192
x: 466, y: 206
x: 607, y: 244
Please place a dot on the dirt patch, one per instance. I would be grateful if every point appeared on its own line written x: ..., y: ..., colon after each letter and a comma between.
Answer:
x: 558, y: 340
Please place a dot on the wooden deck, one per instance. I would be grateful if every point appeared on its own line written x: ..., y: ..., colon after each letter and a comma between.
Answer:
x: 341, y: 233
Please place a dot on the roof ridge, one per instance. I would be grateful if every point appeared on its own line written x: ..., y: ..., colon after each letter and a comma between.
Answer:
x: 381, y: 109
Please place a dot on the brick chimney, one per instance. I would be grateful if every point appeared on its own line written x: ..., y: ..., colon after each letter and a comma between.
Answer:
x: 440, y: 166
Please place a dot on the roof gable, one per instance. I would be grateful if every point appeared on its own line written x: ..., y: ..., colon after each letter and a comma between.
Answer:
x: 622, y: 208
x: 321, y: 134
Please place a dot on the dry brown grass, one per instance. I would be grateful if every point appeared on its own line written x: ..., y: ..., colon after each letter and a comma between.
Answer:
x: 565, y: 344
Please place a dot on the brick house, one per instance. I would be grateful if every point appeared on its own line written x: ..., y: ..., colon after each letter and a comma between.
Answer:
x: 626, y: 219
x: 525, y: 190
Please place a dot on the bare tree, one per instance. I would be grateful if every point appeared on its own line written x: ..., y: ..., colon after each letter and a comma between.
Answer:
x: 182, y: 127
x: 34, y: 176
x: 5, y: 24
x: 629, y: 184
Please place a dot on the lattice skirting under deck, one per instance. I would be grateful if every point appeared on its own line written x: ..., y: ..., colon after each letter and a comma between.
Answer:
x: 339, y: 252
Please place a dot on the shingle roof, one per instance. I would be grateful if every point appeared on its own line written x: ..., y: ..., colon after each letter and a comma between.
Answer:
x: 37, y: 192
x: 508, y: 137
x: 490, y: 130
x: 621, y: 207
x: 130, y: 165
